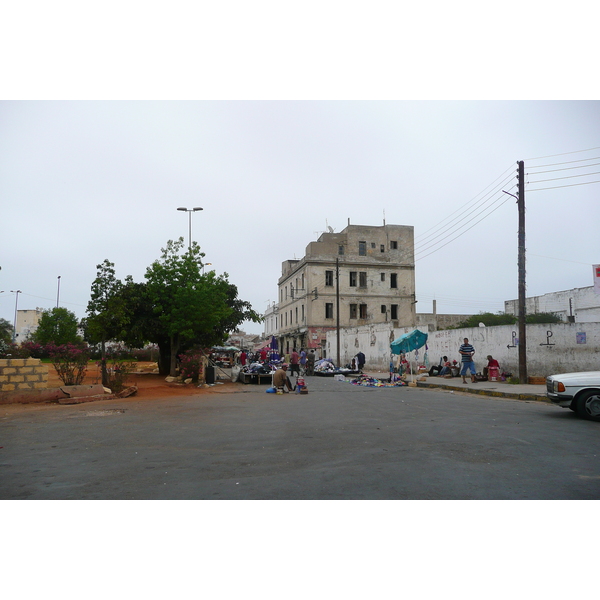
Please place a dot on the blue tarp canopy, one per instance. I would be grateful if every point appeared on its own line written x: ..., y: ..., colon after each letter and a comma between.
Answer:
x: 408, y: 342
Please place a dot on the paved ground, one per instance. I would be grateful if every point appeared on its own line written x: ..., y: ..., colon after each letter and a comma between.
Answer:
x: 338, y: 442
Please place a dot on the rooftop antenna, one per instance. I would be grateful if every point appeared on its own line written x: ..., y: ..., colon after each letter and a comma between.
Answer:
x: 384, y: 217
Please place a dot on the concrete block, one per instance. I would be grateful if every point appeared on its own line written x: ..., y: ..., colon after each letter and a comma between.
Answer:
x: 24, y: 386
x: 17, y: 362
x: 40, y: 385
x: 9, y: 370
x: 8, y: 387
x: 16, y: 378
x: 26, y: 370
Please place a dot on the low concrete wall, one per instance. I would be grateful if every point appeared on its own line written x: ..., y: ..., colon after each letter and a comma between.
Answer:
x: 551, y: 348
x: 17, y: 374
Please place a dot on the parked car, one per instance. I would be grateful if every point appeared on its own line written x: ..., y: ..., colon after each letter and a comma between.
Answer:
x: 578, y: 391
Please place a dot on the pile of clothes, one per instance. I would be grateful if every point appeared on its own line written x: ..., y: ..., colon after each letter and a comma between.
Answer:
x: 325, y: 365
x: 367, y: 381
x: 257, y: 367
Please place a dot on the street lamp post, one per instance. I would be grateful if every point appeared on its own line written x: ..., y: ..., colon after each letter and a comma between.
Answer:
x: 58, y: 292
x: 190, y: 211
x: 17, y: 292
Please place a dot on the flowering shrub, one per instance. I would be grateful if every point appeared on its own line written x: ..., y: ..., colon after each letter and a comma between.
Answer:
x: 191, y: 365
x: 34, y: 349
x: 119, y: 367
x: 70, y: 362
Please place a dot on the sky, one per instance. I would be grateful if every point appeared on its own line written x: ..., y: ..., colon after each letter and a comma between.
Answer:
x: 82, y: 181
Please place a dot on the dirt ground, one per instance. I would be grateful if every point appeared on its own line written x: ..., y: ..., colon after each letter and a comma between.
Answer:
x: 149, y: 384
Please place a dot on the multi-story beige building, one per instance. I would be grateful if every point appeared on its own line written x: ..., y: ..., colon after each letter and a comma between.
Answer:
x: 376, y: 284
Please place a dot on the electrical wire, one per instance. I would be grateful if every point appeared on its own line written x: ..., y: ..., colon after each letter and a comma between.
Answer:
x: 564, y: 169
x: 420, y: 243
x: 564, y: 153
x: 461, y: 208
x: 566, y: 177
x: 459, y: 235
x: 563, y: 259
x: 563, y: 186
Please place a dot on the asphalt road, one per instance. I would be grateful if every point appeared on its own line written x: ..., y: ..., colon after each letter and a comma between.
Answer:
x: 338, y: 442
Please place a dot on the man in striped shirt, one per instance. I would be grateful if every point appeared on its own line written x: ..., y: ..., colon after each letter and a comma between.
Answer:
x: 466, y: 351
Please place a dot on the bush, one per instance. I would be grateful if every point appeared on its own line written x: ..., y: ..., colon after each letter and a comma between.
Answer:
x: 70, y: 362
x: 191, y: 365
x: 10, y: 350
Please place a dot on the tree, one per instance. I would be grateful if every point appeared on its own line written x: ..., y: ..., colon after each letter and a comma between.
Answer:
x: 107, y: 316
x: 58, y: 326
x: 6, y: 330
x: 543, y: 317
x: 188, y: 305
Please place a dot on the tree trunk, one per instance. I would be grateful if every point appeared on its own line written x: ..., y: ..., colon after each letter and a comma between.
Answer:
x: 105, y: 381
x: 174, y: 349
x: 164, y: 357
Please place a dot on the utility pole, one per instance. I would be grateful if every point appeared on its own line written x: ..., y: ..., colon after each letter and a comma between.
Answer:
x: 337, y: 307
x: 521, y: 276
x: 521, y: 266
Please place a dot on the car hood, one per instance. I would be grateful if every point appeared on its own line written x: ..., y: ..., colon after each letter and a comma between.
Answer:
x: 584, y: 378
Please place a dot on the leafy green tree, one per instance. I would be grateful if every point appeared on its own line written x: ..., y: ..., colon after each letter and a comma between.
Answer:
x: 106, y: 312
x: 58, y: 326
x: 6, y: 330
x: 488, y: 319
x: 188, y: 304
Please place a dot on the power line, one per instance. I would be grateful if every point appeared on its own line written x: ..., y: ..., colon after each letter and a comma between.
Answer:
x: 564, y: 169
x: 563, y: 186
x: 449, y: 226
x: 485, y: 217
x: 566, y: 177
x: 458, y: 210
x: 563, y: 259
x: 564, y: 153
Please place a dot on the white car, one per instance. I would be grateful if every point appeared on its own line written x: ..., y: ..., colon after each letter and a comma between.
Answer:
x: 578, y: 391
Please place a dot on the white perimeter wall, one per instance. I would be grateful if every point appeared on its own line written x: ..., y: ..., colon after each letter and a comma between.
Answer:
x: 570, y: 347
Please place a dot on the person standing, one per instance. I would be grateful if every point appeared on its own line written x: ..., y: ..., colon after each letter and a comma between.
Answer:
x: 302, y: 361
x: 466, y: 351
x: 295, y: 363
x: 310, y: 363
x: 360, y: 359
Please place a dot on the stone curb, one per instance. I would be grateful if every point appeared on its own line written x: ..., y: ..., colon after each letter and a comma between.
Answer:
x: 481, y: 392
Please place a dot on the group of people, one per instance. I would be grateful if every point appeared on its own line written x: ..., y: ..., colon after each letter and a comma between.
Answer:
x: 466, y: 351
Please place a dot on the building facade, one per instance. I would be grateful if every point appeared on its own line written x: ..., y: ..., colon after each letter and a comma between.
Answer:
x: 360, y: 276
x: 579, y: 305
x: 27, y: 323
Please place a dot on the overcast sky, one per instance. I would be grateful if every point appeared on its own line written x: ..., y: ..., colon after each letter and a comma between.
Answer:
x: 287, y: 130
x: 81, y: 181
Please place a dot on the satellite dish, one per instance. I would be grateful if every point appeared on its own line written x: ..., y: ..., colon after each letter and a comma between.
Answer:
x: 481, y: 324
x: 330, y: 228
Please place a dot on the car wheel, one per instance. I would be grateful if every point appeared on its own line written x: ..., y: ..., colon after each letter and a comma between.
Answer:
x: 588, y: 405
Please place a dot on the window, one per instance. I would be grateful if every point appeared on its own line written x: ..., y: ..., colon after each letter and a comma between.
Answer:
x: 382, y: 248
x: 383, y: 309
x: 340, y: 250
x: 329, y: 310
x: 362, y: 248
x: 393, y: 245
x: 286, y: 319
x: 353, y: 311
x: 383, y: 277
x: 372, y: 244
x: 296, y: 314
x: 393, y: 280
x: 363, y: 311
x: 352, y: 278
x: 362, y: 279
x: 394, y: 311
x: 328, y: 277
x: 302, y: 280
x: 303, y: 312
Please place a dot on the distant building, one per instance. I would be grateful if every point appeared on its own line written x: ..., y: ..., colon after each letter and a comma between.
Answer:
x: 579, y: 305
x: 376, y: 284
x: 27, y: 323
x: 271, y: 322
